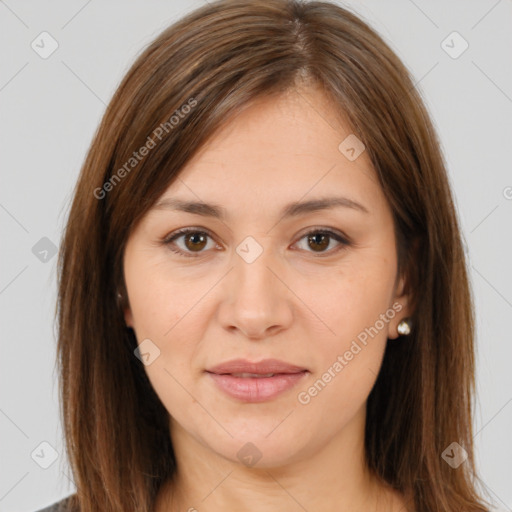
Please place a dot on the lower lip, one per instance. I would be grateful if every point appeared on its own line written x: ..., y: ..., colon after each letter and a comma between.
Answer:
x: 256, y: 389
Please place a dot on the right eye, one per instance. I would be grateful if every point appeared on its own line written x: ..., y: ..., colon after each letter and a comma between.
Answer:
x: 193, y: 239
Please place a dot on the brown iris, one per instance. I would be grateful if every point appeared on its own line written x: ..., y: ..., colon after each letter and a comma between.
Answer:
x: 198, y: 241
x: 319, y: 239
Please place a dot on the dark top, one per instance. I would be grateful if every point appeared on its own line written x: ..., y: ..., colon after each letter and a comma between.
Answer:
x: 59, y: 506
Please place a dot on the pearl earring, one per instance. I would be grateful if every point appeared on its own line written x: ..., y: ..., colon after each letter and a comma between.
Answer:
x: 404, y: 327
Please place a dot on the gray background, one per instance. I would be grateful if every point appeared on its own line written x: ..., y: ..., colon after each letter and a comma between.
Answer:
x: 51, y: 107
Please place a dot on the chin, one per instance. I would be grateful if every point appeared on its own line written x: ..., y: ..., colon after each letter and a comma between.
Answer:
x: 264, y: 451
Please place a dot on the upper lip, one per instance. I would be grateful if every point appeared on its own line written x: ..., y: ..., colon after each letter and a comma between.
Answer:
x: 261, y: 367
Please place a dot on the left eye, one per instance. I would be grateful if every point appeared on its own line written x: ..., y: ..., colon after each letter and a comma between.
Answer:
x: 323, y: 238
x: 195, y: 241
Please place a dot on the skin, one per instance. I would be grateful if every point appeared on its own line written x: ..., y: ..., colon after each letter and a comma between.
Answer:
x: 300, y: 302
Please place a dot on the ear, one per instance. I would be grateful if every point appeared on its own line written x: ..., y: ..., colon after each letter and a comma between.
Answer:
x: 123, y: 304
x: 128, y: 317
x: 402, y: 305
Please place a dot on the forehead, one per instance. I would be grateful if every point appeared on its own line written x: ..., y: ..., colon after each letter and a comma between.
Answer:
x: 277, y: 151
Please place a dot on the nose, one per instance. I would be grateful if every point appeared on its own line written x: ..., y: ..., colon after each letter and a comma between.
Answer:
x: 256, y: 302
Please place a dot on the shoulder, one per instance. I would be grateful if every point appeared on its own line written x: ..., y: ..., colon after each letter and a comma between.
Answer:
x: 63, y: 505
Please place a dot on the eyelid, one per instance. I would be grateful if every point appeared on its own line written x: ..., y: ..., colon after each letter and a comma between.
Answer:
x: 324, y: 229
x: 333, y: 233
x: 169, y: 239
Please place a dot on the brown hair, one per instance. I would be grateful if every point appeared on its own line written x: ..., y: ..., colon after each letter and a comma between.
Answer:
x: 197, y: 74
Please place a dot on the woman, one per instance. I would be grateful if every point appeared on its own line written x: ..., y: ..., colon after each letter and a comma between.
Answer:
x: 263, y: 298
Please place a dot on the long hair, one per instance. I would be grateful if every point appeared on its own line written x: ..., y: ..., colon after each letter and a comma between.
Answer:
x: 187, y: 83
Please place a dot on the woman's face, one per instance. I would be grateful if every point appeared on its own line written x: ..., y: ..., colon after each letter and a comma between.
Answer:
x: 250, y: 284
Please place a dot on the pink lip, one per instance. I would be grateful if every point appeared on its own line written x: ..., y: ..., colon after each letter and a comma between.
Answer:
x: 262, y: 367
x: 256, y: 389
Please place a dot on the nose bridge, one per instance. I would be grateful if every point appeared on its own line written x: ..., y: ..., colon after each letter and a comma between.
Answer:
x: 252, y: 270
x: 257, y: 300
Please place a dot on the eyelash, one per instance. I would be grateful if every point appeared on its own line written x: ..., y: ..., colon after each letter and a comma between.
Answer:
x: 169, y: 241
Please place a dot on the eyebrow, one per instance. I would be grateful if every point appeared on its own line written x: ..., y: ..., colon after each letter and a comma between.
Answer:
x: 290, y: 210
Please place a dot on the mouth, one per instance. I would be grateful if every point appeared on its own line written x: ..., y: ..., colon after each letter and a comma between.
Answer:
x: 256, y: 382
x: 255, y: 375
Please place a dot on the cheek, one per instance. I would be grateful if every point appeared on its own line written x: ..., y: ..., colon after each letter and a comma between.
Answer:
x: 347, y: 366
x: 356, y: 313
x: 159, y: 300
x: 163, y: 312
x: 168, y: 377
x: 352, y: 300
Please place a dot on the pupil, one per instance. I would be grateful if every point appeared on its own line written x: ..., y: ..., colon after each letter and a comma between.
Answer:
x: 196, y: 243
x: 323, y: 237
